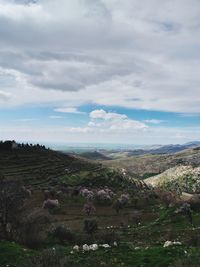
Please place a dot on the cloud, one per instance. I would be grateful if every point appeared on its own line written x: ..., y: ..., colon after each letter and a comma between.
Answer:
x: 162, y: 135
x: 102, y: 114
x: 54, y: 117
x: 68, y: 110
x: 4, y: 95
x: 107, y: 52
x: 110, y: 122
x: 154, y: 121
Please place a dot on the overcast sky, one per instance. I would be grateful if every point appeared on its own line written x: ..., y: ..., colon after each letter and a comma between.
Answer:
x: 104, y: 71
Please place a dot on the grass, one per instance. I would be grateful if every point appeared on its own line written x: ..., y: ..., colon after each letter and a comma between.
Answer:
x: 12, y: 254
x: 149, y: 237
x: 125, y: 255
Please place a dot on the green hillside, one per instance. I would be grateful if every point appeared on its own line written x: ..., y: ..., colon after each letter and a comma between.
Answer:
x: 43, y: 167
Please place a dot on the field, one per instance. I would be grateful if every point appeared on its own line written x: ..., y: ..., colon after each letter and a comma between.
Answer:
x: 138, y: 244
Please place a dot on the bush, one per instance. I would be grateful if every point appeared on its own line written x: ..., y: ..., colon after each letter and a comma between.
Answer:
x: 90, y: 226
x: 63, y: 234
x: 107, y: 237
x: 33, y: 231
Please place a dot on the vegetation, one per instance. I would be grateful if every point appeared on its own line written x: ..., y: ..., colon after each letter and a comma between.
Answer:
x: 179, y: 179
x: 96, y: 216
x: 150, y: 165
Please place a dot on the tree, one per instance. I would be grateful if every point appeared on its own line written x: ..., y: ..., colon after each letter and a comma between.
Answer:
x: 12, y: 197
x: 88, y: 208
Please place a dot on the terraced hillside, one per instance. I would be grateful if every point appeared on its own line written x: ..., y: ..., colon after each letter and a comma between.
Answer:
x: 43, y: 167
x: 149, y: 165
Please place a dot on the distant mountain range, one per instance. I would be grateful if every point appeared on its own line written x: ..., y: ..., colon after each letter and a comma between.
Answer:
x: 108, y: 154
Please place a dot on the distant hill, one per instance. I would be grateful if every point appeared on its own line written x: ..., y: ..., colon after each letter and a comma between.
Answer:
x: 181, y: 178
x: 94, y: 155
x: 167, y: 149
x: 150, y: 165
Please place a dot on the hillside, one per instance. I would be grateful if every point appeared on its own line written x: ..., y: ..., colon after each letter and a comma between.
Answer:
x: 94, y: 155
x: 151, y: 165
x: 182, y: 179
x: 50, y: 235
x: 44, y: 167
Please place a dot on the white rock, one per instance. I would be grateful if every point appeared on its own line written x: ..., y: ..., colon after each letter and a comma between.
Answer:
x: 93, y: 247
x: 86, y: 247
x: 167, y: 244
x: 105, y: 246
x: 171, y: 243
x: 76, y: 248
x: 115, y: 244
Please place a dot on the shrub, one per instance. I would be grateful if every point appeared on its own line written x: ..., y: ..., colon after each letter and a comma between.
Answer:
x: 90, y: 226
x: 121, y: 202
x: 63, y: 234
x: 107, y: 237
x: 33, y: 231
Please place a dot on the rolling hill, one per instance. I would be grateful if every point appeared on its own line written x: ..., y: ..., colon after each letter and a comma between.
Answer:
x: 44, y: 167
x: 182, y: 178
x: 150, y: 165
x: 94, y: 155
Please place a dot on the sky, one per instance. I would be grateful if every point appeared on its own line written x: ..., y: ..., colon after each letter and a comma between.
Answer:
x: 100, y: 71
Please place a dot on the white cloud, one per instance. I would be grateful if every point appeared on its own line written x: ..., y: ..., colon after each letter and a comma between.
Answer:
x: 72, y: 110
x: 54, y: 117
x: 110, y: 122
x: 102, y: 114
x: 162, y: 135
x: 154, y: 121
x: 4, y: 96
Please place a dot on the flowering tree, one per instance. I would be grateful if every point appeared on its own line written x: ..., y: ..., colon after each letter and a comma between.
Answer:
x: 88, y: 194
x: 104, y: 196
x: 88, y: 208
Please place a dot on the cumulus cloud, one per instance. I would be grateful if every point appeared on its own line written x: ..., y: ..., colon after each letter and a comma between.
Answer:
x: 102, y: 114
x: 110, y: 122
